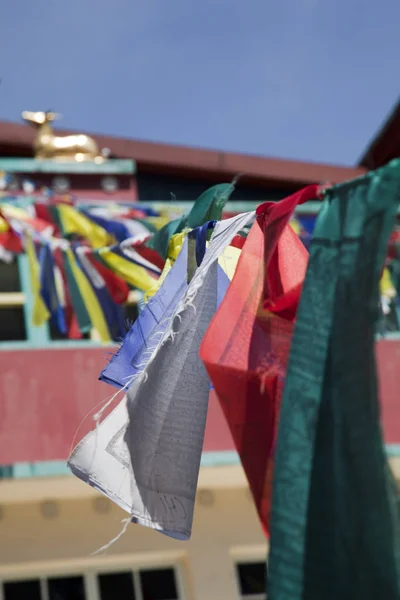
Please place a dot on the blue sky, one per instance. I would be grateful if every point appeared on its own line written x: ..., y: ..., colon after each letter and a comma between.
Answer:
x: 305, y: 79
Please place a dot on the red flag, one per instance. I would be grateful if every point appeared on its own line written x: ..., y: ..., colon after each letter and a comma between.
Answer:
x: 70, y: 317
x: 246, y: 347
x: 118, y: 288
x: 11, y: 242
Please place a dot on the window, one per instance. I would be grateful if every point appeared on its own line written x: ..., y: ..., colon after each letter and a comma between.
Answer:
x: 16, y: 307
x: 12, y: 319
x: 252, y: 580
x: 110, y: 582
x: 66, y: 588
x: 146, y: 584
x: 131, y: 313
x: 158, y: 585
x: 163, y: 188
x: 16, y: 590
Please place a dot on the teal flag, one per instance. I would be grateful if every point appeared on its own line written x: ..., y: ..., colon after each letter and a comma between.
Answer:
x: 78, y: 304
x: 208, y: 207
x: 334, y: 522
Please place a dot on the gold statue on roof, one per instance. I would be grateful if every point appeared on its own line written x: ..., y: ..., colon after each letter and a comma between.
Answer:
x: 48, y: 145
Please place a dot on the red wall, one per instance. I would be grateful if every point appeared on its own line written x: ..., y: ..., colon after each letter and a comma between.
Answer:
x: 388, y: 356
x: 45, y: 394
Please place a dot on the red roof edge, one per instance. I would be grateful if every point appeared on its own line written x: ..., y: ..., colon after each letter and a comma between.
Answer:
x: 189, y: 161
x: 386, y: 143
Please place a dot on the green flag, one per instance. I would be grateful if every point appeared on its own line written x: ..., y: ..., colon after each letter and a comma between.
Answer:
x: 208, y: 207
x: 78, y: 304
x: 334, y: 520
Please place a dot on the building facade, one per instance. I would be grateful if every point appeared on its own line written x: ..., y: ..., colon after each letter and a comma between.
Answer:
x: 50, y: 522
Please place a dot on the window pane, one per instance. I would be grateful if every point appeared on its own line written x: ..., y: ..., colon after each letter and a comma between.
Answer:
x: 131, y: 314
x: 116, y: 586
x: 66, y: 588
x: 9, y: 277
x: 161, y: 187
x: 12, y: 324
x: 19, y: 590
x: 158, y: 584
x: 252, y: 578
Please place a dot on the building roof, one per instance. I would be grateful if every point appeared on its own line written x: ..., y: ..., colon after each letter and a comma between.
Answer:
x: 386, y: 144
x: 16, y: 140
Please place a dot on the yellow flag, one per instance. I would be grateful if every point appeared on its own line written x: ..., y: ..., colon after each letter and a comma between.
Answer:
x: 40, y: 314
x: 386, y: 285
x: 295, y: 225
x: 175, y: 244
x: 3, y: 225
x: 90, y: 299
x: 14, y: 212
x: 131, y: 273
x: 157, y: 284
x: 73, y: 221
x: 158, y: 221
x: 174, y: 247
x: 227, y: 261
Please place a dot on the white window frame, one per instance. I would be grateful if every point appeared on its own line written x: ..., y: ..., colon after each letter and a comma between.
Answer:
x: 89, y: 569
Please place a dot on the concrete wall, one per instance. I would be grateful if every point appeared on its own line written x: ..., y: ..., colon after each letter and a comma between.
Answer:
x: 225, y: 531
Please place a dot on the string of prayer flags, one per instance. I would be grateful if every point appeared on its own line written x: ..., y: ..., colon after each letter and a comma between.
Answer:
x: 115, y: 258
x: 146, y: 455
x: 153, y: 320
x: 287, y: 340
x: 130, y: 231
x: 121, y: 250
x: 208, y: 207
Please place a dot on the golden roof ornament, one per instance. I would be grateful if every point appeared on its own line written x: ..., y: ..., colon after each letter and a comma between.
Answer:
x: 48, y: 145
